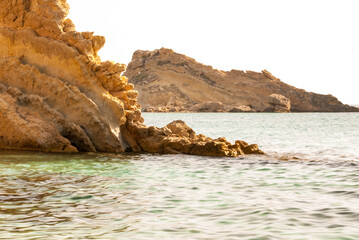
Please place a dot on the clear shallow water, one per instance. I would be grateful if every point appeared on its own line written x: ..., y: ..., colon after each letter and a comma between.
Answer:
x: 108, y: 196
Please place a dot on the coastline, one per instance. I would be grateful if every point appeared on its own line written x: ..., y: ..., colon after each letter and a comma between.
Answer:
x: 56, y: 95
x: 310, y: 172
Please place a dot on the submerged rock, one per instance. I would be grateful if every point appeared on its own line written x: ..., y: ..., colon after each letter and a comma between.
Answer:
x: 56, y: 95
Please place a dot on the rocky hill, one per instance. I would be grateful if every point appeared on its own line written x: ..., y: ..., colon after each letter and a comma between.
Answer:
x: 168, y: 81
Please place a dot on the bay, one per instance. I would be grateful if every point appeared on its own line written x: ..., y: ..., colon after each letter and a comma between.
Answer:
x: 306, y: 187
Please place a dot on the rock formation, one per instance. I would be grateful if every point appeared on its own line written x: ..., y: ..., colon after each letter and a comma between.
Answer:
x: 241, y: 108
x: 177, y: 137
x: 56, y: 95
x: 278, y: 103
x: 207, y: 107
x: 168, y: 81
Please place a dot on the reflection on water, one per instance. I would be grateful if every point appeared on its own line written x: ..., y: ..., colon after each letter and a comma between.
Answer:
x: 107, y: 196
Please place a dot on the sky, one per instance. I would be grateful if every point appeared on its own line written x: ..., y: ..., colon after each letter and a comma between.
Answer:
x: 310, y: 44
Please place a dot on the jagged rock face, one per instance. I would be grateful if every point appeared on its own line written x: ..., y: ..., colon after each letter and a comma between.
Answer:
x: 177, y: 138
x: 56, y: 95
x: 21, y: 128
x: 168, y: 81
x: 54, y: 76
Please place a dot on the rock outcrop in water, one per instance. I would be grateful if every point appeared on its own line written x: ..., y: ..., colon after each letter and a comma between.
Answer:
x: 168, y: 81
x: 56, y: 95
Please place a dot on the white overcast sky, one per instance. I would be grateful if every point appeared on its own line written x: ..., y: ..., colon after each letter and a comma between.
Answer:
x: 310, y: 44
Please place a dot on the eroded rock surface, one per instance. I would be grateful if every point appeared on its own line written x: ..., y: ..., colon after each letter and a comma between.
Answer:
x: 168, y: 81
x: 177, y: 138
x: 278, y: 103
x: 56, y: 95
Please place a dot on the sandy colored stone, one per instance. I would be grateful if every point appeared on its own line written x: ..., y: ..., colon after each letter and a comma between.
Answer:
x: 278, y: 103
x: 23, y: 129
x: 43, y: 55
x: 177, y: 137
x: 241, y: 108
x: 192, y: 83
x: 207, y: 107
x: 57, y: 95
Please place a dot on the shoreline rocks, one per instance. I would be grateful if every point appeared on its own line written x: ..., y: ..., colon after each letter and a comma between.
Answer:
x: 177, y: 137
x: 56, y: 95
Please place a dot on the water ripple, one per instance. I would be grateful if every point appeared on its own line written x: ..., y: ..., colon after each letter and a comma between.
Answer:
x: 107, y: 196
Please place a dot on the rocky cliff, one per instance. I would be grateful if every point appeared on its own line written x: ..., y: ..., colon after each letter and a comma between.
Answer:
x: 168, y: 81
x: 56, y: 95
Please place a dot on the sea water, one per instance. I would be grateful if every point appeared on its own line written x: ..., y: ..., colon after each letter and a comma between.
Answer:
x: 306, y: 187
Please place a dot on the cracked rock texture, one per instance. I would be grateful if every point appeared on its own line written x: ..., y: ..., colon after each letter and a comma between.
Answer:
x: 57, y: 96
x: 172, y: 82
x: 278, y: 103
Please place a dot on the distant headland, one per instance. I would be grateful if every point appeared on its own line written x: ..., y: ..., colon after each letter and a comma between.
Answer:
x: 172, y: 82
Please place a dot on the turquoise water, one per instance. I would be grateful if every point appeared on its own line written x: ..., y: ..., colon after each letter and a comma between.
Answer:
x: 307, y: 187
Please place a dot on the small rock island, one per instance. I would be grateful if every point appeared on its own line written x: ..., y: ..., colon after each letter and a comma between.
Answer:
x: 56, y: 95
